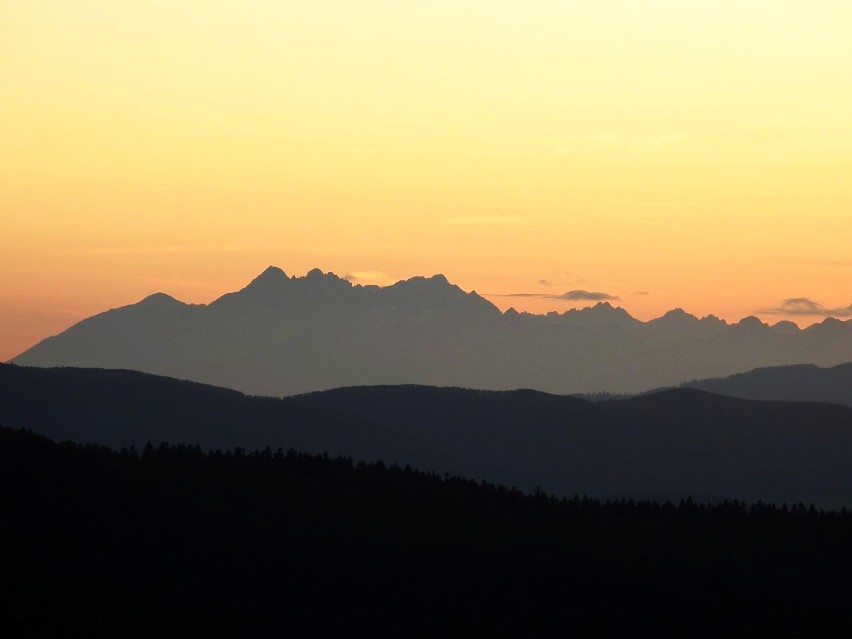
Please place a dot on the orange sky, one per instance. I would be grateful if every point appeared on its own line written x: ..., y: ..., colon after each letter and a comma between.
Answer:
x: 698, y: 153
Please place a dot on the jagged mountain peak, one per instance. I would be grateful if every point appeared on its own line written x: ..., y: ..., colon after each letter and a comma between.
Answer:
x: 273, y: 289
x: 269, y: 285
x: 830, y: 325
x: 435, y: 293
x: 419, y: 284
x: 160, y: 299
x: 601, y: 314
x: 607, y: 309
x: 275, y: 280
x: 678, y: 313
x: 436, y: 281
x: 751, y: 322
x: 316, y: 277
x: 272, y: 272
x: 785, y: 327
x: 271, y: 276
x: 675, y: 317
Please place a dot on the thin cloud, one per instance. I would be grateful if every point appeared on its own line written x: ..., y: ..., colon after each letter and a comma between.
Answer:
x: 570, y: 296
x: 641, y: 293
x: 807, y: 306
x: 369, y: 277
x: 592, y: 296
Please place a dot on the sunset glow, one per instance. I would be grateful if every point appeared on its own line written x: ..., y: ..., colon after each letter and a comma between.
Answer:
x: 692, y: 154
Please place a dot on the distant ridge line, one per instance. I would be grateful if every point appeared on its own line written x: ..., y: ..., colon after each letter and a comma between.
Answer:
x: 285, y: 335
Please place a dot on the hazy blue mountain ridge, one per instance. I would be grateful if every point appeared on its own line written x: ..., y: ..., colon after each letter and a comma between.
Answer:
x: 803, y: 382
x: 795, y: 382
x: 285, y: 335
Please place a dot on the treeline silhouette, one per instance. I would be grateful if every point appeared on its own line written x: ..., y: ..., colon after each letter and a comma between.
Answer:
x: 669, y: 445
x: 173, y: 539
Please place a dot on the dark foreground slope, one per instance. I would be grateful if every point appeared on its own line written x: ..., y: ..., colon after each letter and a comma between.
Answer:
x: 802, y: 383
x: 673, y: 444
x: 97, y: 542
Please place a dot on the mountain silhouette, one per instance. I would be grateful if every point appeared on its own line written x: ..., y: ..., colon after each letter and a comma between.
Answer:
x: 283, y: 335
x: 677, y: 443
x: 802, y: 383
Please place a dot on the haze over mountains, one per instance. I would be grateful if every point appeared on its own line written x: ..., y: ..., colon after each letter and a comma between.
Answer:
x: 285, y: 335
x: 800, y: 383
x: 672, y: 444
x: 793, y: 383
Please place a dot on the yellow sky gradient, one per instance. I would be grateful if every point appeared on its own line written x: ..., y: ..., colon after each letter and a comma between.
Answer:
x: 696, y: 151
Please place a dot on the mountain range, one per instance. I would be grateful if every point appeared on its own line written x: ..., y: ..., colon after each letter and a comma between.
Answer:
x: 284, y: 335
x: 672, y: 444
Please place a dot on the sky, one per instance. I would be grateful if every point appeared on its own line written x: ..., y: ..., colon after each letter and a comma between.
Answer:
x: 657, y: 153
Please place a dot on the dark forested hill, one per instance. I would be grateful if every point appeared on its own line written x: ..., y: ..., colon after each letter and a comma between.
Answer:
x: 123, y: 408
x: 171, y: 540
x: 677, y: 442
x: 284, y: 335
x: 803, y: 383
x: 672, y: 444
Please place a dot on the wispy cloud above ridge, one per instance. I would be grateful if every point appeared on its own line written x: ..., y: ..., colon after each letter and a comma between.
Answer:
x: 571, y: 296
x: 369, y: 277
x: 807, y: 306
